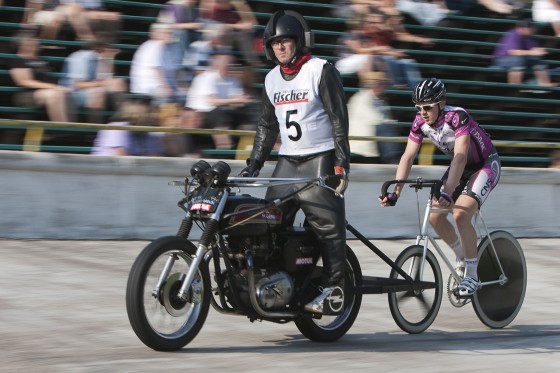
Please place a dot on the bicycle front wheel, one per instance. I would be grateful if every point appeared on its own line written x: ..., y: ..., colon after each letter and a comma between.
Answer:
x: 415, y: 310
x: 496, y: 305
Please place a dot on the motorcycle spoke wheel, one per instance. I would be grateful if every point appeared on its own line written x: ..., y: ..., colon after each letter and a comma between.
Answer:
x: 163, y: 321
x: 329, y: 328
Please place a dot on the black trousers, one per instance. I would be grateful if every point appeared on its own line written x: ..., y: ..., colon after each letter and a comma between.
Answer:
x: 323, y: 210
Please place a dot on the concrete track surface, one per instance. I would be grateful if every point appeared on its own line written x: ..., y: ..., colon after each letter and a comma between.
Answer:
x: 62, y: 309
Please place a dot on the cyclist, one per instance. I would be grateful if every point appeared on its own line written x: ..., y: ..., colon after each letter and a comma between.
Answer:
x: 304, y: 101
x: 473, y: 172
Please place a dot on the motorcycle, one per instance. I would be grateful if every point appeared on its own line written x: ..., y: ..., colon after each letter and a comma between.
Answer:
x: 246, y: 262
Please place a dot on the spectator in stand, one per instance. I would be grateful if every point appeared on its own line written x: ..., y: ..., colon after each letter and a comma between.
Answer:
x: 32, y: 74
x: 369, y: 115
x: 547, y: 11
x: 356, y: 52
x: 100, y: 19
x: 425, y: 12
x: 200, y: 52
x: 50, y: 15
x: 148, y: 75
x: 217, y: 100
x: 184, y: 17
x: 496, y: 6
x: 394, y: 22
x: 370, y: 49
x: 123, y: 142
x: 349, y: 8
x: 518, y: 51
x: 88, y: 72
x: 394, y: 18
x: 240, y: 20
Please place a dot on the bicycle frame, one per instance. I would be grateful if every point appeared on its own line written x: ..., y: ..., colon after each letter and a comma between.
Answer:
x: 424, y: 237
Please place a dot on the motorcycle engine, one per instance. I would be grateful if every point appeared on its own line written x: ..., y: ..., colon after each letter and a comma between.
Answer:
x: 275, y: 290
x: 276, y: 261
x: 263, y: 252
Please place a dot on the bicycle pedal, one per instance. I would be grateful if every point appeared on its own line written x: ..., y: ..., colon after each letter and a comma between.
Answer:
x: 456, y: 293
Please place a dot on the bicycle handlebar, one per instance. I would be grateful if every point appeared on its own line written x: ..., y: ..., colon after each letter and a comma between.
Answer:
x: 419, y: 183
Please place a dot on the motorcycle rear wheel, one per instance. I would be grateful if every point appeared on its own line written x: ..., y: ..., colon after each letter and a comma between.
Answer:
x: 162, y: 321
x: 331, y: 328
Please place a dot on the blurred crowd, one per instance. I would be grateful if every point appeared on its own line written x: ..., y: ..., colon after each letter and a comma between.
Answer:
x: 194, y: 70
x: 197, y: 67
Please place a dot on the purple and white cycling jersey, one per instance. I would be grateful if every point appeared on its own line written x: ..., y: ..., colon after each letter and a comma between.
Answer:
x: 455, y: 122
x: 482, y: 170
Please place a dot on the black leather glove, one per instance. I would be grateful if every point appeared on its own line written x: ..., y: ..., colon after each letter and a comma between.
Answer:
x: 253, y: 168
x: 343, y: 184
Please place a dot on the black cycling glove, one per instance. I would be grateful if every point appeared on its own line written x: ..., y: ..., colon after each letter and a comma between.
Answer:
x: 392, y: 198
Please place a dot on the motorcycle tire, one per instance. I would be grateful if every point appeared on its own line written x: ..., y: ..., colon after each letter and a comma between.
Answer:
x: 163, y: 321
x: 331, y: 328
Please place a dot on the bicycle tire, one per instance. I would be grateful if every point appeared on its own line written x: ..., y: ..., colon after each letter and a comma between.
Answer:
x: 497, y: 305
x: 415, y: 311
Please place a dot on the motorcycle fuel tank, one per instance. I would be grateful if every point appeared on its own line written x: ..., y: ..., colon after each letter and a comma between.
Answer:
x: 245, y: 216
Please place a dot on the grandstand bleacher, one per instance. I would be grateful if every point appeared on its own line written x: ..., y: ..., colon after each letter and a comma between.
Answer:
x: 461, y: 57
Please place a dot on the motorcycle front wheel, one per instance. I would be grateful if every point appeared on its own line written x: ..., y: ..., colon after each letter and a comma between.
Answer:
x: 162, y: 320
x: 331, y: 328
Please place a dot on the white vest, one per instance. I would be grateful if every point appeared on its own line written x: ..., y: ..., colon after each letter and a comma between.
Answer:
x: 305, y: 127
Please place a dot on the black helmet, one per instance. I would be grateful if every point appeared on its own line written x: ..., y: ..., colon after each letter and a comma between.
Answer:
x: 287, y: 23
x: 429, y: 90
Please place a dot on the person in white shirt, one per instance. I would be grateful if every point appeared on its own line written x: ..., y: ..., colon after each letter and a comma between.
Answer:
x: 369, y: 115
x: 147, y: 74
x: 217, y: 99
x: 88, y: 72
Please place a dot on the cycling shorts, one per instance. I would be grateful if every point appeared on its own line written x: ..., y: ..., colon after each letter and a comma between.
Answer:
x: 478, y: 182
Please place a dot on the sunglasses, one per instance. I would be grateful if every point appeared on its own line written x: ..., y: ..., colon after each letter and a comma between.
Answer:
x: 426, y: 107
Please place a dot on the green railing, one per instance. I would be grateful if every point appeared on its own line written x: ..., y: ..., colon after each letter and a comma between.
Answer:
x: 34, y: 131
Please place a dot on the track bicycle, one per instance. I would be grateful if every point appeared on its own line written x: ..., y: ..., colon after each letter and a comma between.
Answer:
x: 502, y: 269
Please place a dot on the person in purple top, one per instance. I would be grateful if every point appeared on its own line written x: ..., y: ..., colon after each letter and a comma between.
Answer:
x: 473, y: 173
x: 518, y: 51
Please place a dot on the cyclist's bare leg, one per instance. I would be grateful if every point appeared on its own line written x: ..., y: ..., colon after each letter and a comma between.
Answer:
x: 443, y: 227
x: 463, y: 211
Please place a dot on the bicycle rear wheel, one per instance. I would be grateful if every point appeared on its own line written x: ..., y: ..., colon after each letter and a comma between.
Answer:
x: 496, y: 305
x: 415, y: 310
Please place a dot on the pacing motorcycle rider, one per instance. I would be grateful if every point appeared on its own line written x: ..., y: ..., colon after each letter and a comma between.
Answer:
x: 303, y: 100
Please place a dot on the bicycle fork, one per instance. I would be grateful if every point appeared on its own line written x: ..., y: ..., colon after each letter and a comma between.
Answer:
x: 423, y: 239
